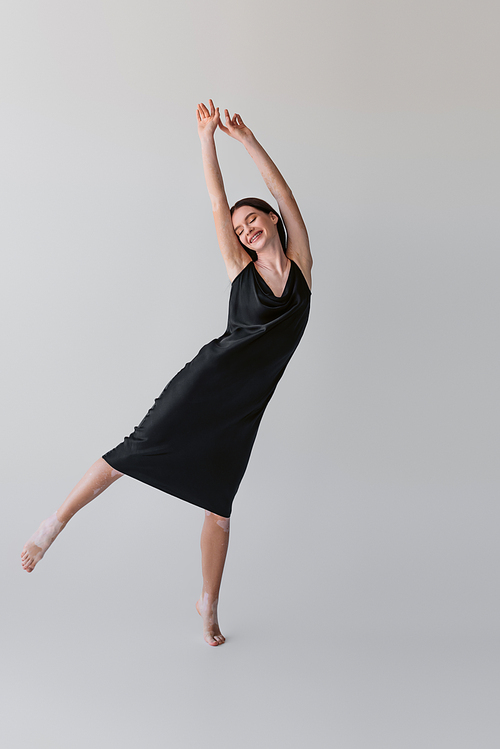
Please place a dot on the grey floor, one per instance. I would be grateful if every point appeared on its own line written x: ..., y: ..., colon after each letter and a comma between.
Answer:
x: 343, y: 629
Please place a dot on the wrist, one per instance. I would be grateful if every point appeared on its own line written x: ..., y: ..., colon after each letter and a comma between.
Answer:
x: 250, y: 142
x: 207, y: 138
x: 248, y: 139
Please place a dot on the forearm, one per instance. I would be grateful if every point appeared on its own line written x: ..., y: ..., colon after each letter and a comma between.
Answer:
x: 270, y: 173
x: 213, y: 175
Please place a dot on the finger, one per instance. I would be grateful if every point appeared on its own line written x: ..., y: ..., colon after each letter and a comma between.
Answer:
x: 227, y: 115
x: 204, y: 110
x: 212, y: 108
x: 198, y: 115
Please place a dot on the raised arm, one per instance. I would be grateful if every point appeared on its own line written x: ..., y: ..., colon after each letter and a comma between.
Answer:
x: 233, y: 253
x: 298, y: 240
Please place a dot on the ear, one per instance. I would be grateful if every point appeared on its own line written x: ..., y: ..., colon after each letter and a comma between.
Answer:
x: 274, y: 218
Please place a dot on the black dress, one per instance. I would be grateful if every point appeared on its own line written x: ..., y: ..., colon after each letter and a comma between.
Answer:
x: 195, y: 441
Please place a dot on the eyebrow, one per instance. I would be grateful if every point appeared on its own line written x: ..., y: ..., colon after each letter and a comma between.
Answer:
x: 248, y: 214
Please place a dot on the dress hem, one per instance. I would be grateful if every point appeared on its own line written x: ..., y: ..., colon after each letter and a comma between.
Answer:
x: 146, y: 480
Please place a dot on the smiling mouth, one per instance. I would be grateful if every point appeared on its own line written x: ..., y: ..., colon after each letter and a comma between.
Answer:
x: 255, y: 236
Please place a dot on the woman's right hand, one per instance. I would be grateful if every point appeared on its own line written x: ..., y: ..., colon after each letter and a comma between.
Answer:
x: 207, y: 121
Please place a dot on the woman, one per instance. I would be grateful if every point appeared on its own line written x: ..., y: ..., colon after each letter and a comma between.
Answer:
x: 195, y: 441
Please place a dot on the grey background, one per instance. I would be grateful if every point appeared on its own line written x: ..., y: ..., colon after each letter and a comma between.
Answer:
x: 360, y: 595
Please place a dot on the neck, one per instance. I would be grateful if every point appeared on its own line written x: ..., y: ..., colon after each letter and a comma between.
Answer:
x: 273, y: 258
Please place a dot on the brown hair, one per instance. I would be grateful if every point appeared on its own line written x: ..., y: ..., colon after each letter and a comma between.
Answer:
x: 261, y: 205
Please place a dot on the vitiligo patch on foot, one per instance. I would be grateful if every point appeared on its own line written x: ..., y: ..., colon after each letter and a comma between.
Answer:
x: 40, y: 541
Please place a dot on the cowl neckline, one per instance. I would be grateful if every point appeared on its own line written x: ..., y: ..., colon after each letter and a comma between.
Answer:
x: 266, y: 286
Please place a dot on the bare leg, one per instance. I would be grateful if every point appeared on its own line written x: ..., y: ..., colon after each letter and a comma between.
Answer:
x: 214, y: 543
x: 99, y: 476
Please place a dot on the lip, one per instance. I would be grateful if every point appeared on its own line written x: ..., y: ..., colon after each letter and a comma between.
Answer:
x: 255, y: 236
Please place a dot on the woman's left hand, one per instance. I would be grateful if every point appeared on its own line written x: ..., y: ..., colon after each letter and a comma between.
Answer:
x: 235, y: 127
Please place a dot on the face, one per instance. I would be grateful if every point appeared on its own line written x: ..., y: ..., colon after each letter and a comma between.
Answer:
x: 254, y: 228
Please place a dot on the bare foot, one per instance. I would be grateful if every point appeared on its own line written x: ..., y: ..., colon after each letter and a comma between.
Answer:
x: 35, y: 548
x: 208, y: 612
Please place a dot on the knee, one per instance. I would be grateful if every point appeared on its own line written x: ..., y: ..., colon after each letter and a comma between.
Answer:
x: 111, y: 472
x: 219, y: 520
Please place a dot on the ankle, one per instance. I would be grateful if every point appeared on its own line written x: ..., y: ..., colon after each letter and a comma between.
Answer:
x: 208, y: 598
x: 63, y: 517
x: 54, y: 523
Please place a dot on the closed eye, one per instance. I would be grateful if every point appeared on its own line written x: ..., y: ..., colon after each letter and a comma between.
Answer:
x: 250, y: 222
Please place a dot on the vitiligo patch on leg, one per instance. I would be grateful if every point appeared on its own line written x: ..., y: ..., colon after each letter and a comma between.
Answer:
x: 224, y: 524
x: 100, y: 489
